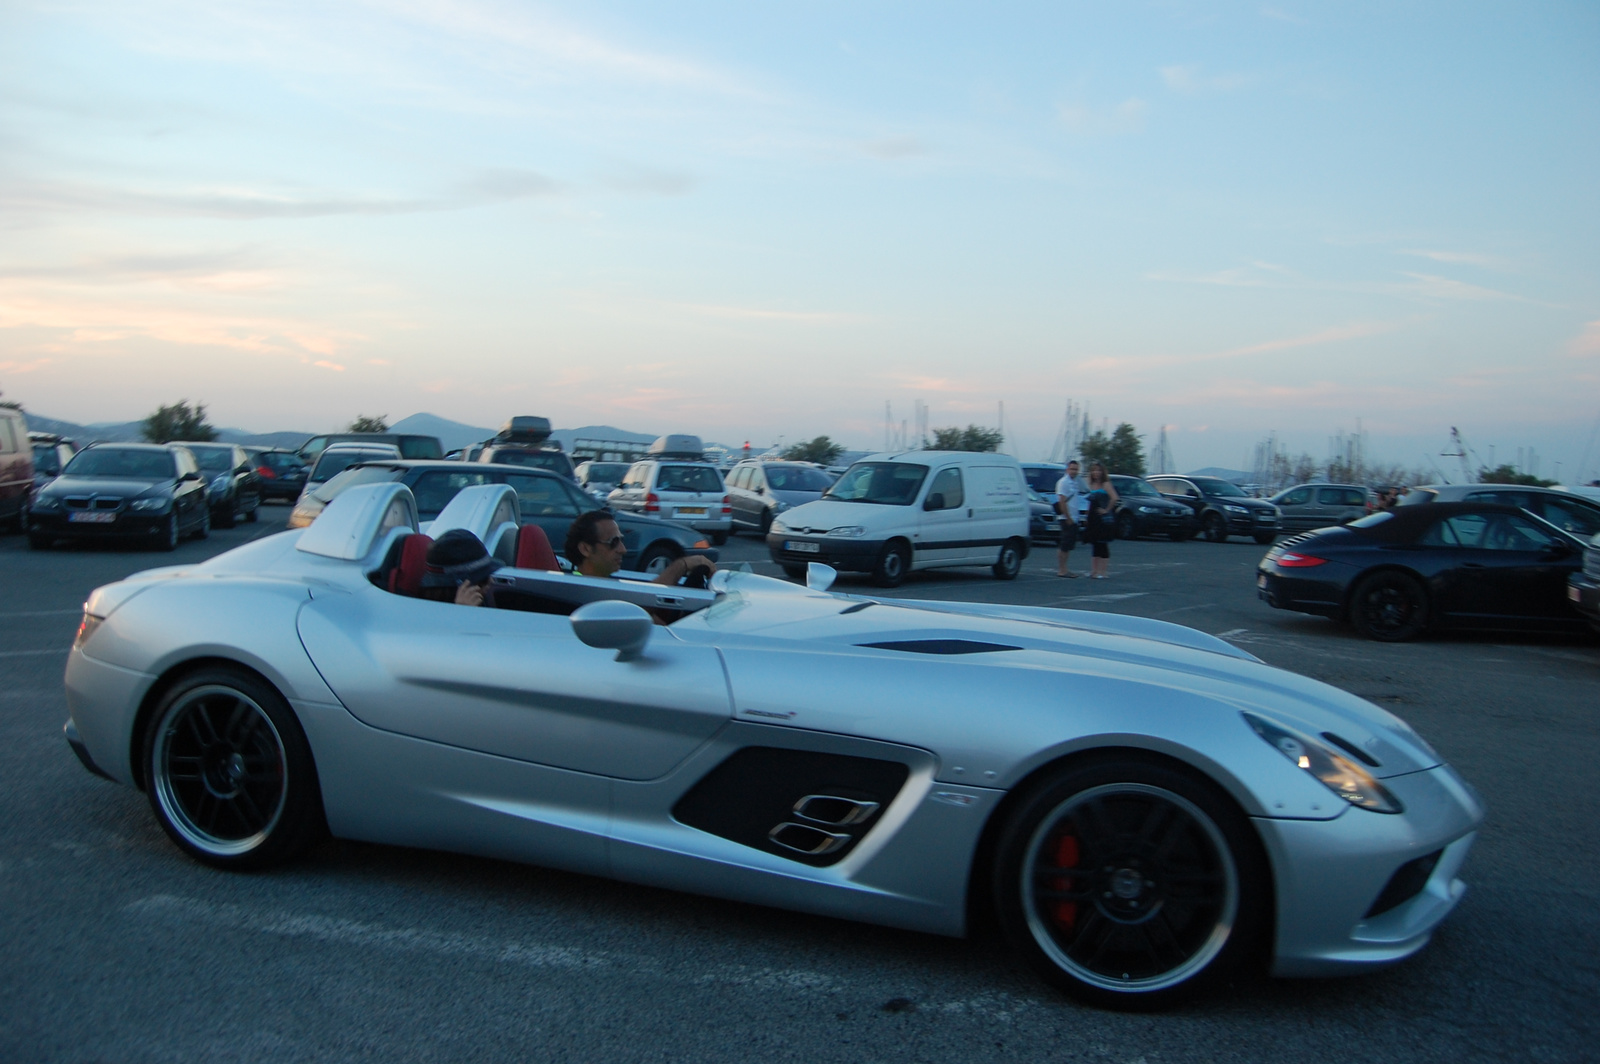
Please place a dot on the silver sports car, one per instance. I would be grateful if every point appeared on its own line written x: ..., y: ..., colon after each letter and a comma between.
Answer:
x: 1141, y: 806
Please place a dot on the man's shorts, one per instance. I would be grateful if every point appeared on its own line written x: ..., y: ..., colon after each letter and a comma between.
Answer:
x: 1069, y: 534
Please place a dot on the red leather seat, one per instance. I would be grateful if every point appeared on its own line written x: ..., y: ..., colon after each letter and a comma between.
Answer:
x: 533, y: 549
x: 406, y: 577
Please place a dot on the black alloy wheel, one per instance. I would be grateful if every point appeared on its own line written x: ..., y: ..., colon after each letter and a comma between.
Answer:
x: 894, y: 561
x: 1390, y: 607
x: 1216, y: 528
x: 1009, y: 564
x: 229, y: 771
x: 1131, y: 883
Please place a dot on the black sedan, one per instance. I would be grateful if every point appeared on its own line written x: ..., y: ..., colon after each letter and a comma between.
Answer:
x: 1144, y: 511
x: 232, y: 484
x: 122, y: 491
x: 1399, y: 573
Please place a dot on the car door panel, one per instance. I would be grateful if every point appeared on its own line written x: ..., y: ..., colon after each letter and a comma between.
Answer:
x: 513, y: 684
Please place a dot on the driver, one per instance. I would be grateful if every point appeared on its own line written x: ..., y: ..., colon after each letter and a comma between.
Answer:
x: 595, y: 548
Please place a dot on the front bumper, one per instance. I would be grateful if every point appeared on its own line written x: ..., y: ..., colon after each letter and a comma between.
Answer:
x: 1165, y: 524
x: 1254, y: 523
x: 845, y: 555
x: 125, y: 524
x: 1331, y: 874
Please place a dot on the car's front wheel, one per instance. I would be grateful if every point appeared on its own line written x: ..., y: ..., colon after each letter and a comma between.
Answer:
x: 167, y: 538
x: 1264, y: 538
x: 1009, y: 564
x: 1216, y: 528
x: 1131, y: 882
x: 1390, y: 607
x: 893, y: 563
x: 229, y: 771
x: 1127, y: 527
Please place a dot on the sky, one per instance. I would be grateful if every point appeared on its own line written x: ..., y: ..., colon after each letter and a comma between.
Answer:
x: 776, y: 221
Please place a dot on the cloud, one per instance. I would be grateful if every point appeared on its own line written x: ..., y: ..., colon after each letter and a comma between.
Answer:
x: 1353, y: 331
x: 1125, y: 117
x: 1430, y: 286
x: 324, y: 364
x: 642, y: 181
x: 1587, y: 343
x: 815, y: 317
x: 1188, y: 79
x: 1456, y: 257
x: 893, y: 149
x: 24, y: 367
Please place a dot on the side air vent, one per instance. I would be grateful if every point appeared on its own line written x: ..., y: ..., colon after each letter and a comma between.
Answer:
x: 941, y: 646
x: 798, y: 804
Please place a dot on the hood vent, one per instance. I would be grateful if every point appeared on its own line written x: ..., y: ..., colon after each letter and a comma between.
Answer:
x: 940, y: 646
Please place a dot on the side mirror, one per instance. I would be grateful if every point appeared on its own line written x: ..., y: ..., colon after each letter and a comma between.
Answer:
x: 619, y: 626
x: 934, y: 501
x: 189, y: 476
x: 820, y: 577
x: 761, y: 489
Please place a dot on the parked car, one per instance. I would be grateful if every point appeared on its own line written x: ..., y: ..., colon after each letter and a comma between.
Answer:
x: 1308, y: 506
x: 525, y: 441
x: 759, y: 491
x: 409, y: 445
x: 336, y: 458
x: 1044, y: 524
x: 282, y: 472
x: 233, y: 487
x: 1583, y: 586
x: 1143, y: 809
x: 598, y: 478
x: 122, y: 491
x: 1221, y: 507
x: 546, y: 499
x: 16, y: 466
x: 1144, y: 511
x: 1044, y: 478
x: 896, y: 512
x: 1399, y: 573
x: 51, y: 453
x: 676, y: 482
x: 1566, y: 510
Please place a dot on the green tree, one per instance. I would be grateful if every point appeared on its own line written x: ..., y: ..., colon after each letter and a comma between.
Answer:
x: 1120, y: 452
x: 971, y: 438
x: 179, y: 422
x: 821, y: 450
x: 1507, y: 474
x: 363, y: 423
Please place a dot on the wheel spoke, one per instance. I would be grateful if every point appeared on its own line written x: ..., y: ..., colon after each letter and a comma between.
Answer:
x: 247, y: 804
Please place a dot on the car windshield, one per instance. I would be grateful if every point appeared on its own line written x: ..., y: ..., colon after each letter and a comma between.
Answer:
x: 213, y: 459
x: 552, y: 460
x: 1133, y: 486
x: 688, y: 478
x: 46, y: 459
x: 797, y: 478
x: 333, y: 462
x: 606, y: 472
x: 121, y: 462
x: 886, y: 483
x: 1221, y: 488
x: 349, y: 478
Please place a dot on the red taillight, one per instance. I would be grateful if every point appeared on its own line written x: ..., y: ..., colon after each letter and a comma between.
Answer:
x: 652, y: 505
x: 727, y: 505
x: 266, y: 472
x: 1291, y: 560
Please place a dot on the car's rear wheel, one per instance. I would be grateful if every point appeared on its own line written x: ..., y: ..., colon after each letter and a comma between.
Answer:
x: 167, y: 538
x: 1131, y: 883
x: 1009, y: 564
x: 229, y: 771
x: 1390, y: 607
x: 1216, y: 528
x: 893, y: 563
x: 657, y: 557
x: 1127, y: 527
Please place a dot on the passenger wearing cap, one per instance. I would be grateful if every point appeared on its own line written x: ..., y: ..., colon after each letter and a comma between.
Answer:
x: 458, y: 570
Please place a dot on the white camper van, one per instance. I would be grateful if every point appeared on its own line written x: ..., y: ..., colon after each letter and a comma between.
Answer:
x: 895, y: 512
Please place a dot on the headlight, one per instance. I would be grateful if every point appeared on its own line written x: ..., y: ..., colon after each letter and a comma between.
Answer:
x: 1235, y: 509
x: 1149, y: 509
x: 220, y: 482
x: 158, y: 503
x: 1337, y: 773
x: 782, y: 506
x: 86, y: 628
x: 848, y: 531
x: 44, y: 504
x: 779, y: 527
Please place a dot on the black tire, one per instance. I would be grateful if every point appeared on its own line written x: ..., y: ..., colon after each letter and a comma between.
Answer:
x: 226, y: 519
x: 1127, y: 527
x: 795, y: 572
x: 718, y: 538
x: 1181, y: 535
x: 657, y: 557
x: 1390, y: 607
x: 894, y: 561
x: 204, y: 531
x: 1171, y: 891
x: 1216, y: 528
x: 167, y: 538
x: 229, y: 772
x: 1009, y: 564
x: 36, y: 541
x: 766, y: 523
x: 252, y: 513
x: 1264, y: 538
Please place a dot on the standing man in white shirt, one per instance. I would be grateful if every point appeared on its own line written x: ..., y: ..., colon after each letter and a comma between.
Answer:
x: 1071, y: 502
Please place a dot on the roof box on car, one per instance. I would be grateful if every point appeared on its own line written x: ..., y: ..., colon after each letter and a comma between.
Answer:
x: 525, y: 429
x: 678, y: 446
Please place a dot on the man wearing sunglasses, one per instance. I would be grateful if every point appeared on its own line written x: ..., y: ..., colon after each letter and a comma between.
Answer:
x: 595, y: 548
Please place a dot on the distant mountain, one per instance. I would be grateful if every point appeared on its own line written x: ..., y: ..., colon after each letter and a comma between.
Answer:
x: 452, y: 434
x: 132, y: 432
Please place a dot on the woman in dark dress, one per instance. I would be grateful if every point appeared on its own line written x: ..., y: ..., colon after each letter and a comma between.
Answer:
x: 1101, y: 521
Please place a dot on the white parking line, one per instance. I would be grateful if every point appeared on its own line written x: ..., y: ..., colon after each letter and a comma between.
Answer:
x: 31, y: 653
x: 43, y: 613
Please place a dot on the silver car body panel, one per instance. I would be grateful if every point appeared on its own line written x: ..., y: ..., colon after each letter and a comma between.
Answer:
x: 499, y: 733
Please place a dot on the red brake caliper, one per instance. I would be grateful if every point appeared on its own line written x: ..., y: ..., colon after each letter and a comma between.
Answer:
x: 1066, y: 912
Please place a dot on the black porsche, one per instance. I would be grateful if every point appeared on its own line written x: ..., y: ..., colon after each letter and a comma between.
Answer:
x: 1399, y: 573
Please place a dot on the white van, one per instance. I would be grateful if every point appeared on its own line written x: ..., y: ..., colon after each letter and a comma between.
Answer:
x: 894, y: 512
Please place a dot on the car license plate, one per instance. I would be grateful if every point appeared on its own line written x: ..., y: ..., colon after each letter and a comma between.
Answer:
x: 91, y: 517
x: 1266, y: 519
x: 697, y: 511
x: 1261, y: 581
x: 802, y: 548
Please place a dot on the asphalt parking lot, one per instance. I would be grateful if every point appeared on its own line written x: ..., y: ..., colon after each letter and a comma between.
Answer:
x: 115, y: 947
